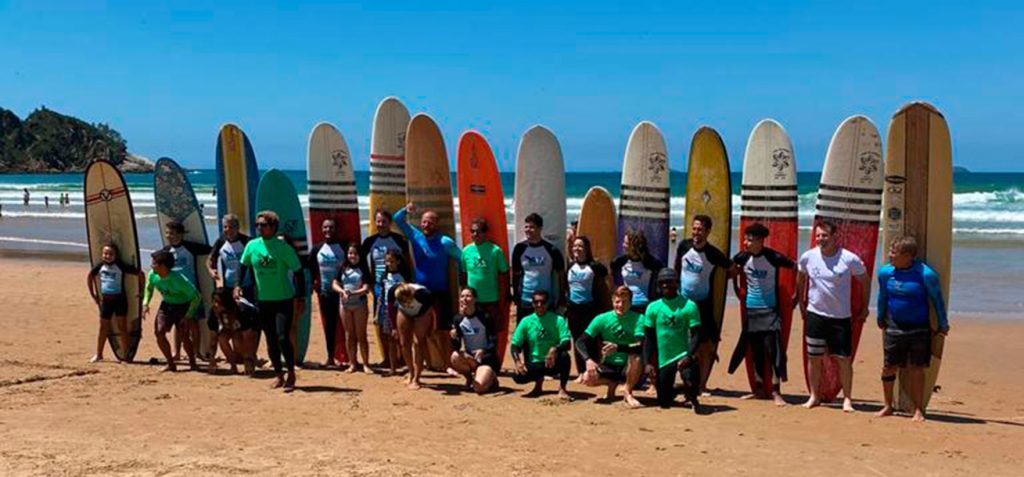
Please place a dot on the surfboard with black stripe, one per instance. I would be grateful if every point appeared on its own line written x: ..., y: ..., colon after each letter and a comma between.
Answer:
x: 850, y: 195
x: 387, y: 160
x: 645, y: 194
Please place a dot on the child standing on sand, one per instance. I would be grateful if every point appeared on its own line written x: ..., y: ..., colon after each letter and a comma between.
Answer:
x: 180, y: 301
x: 385, y: 308
x: 110, y: 296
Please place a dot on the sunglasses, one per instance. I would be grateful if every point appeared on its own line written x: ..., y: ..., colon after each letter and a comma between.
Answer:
x: 540, y: 302
x: 262, y: 224
x: 475, y: 231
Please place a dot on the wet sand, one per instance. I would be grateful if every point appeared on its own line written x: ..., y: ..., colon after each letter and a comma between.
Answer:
x: 60, y: 415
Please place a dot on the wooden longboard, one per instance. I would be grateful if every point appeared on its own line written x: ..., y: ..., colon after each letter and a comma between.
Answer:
x: 918, y: 201
x: 769, y: 197
x: 387, y: 169
x: 709, y: 192
x: 481, y: 197
x: 110, y: 218
x: 332, y: 195
x: 540, y: 185
x: 277, y: 193
x: 237, y: 177
x: 598, y: 222
x: 644, y: 201
x: 429, y: 186
x: 850, y: 195
x: 176, y: 201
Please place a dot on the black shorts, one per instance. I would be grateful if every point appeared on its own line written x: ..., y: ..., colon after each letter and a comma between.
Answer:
x: 908, y: 349
x: 489, y: 359
x: 443, y: 309
x: 170, y: 315
x: 612, y: 372
x: 113, y: 305
x: 708, y: 331
x: 822, y: 334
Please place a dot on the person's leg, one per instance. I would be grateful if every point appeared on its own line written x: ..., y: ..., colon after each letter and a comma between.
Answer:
x: 634, y: 369
x: 562, y: 366
x: 440, y: 331
x: 381, y: 331
x: 666, y: 386
x: 178, y: 337
x: 535, y: 373
x: 186, y: 328
x: 421, y: 331
x: 915, y: 374
x: 405, y: 337
x: 814, y: 340
x: 757, y: 353
x: 329, y: 314
x: 268, y: 322
x: 708, y: 342
x: 101, y: 340
x: 776, y: 363
x: 461, y: 363
x: 690, y: 375
x: 484, y: 379
x: 161, y: 325
x: 283, y: 320
x: 348, y: 323
x: 359, y: 318
x: 574, y: 315
x: 845, y: 366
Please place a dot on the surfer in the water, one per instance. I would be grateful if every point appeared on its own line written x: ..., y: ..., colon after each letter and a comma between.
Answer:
x: 588, y: 288
x: 636, y: 269
x: 416, y: 317
x: 431, y: 251
x: 668, y: 349
x: 906, y: 286
x: 186, y: 263
x: 180, y: 301
x: 697, y: 262
x: 611, y: 349
x: 237, y: 331
x: 352, y: 283
x: 474, y: 341
x: 327, y: 257
x: 277, y: 271
x: 483, y: 263
x: 375, y: 248
x: 111, y: 298
x: 762, y: 330
x: 537, y: 265
x: 828, y: 271
x: 544, y: 337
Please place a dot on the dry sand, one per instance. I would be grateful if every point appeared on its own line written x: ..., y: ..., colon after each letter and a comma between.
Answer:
x: 60, y: 415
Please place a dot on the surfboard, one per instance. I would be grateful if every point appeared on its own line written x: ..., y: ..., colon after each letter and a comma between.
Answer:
x: 387, y: 168
x: 110, y: 218
x: 709, y: 192
x: 598, y: 222
x: 429, y: 186
x: 277, y: 193
x: 768, y: 195
x: 387, y: 159
x: 918, y: 201
x: 850, y: 195
x: 481, y: 197
x: 237, y: 177
x: 540, y: 185
x: 176, y: 202
x: 332, y: 195
x: 644, y: 201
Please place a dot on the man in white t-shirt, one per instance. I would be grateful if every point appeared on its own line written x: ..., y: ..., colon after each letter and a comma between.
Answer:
x: 828, y: 272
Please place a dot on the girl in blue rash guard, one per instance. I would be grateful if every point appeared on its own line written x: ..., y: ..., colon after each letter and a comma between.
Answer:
x: 111, y: 297
x: 386, y: 312
x: 352, y: 284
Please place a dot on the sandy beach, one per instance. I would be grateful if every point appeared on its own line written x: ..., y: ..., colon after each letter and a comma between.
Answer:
x: 60, y: 415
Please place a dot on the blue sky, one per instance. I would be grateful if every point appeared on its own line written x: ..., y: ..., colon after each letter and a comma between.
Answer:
x: 168, y: 74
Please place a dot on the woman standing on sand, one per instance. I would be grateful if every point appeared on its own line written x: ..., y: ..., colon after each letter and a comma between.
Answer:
x: 636, y: 269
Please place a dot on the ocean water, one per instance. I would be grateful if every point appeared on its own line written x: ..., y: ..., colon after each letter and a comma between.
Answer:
x: 988, y: 221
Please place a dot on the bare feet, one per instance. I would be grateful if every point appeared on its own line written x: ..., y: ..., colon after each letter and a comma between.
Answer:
x: 812, y: 402
x: 848, y: 405
x: 565, y: 396
x: 96, y: 359
x: 777, y: 399
x: 918, y: 416
x: 329, y: 363
x: 453, y: 373
x: 170, y: 368
x: 350, y: 369
x: 413, y: 385
x: 367, y: 370
x: 278, y: 382
x: 885, y: 412
x: 747, y: 397
x: 631, y: 402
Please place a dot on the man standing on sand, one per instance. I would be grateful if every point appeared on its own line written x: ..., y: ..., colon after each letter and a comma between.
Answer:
x: 374, y: 249
x: 324, y: 264
x: 537, y: 265
x: 431, y: 251
x: 827, y: 271
x: 697, y: 261
x: 544, y: 337
x: 905, y: 287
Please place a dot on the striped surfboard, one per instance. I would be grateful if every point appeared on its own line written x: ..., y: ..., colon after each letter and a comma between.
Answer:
x: 644, y: 200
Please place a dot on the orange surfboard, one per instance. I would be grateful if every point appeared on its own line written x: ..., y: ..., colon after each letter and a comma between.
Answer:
x: 481, y: 197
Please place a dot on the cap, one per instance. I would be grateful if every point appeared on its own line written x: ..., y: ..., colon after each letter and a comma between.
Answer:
x: 667, y: 273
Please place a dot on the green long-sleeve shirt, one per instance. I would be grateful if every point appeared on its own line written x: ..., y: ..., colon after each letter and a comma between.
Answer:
x: 175, y: 289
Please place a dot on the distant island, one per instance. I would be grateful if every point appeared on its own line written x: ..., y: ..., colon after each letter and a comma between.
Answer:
x: 960, y: 170
x: 48, y: 142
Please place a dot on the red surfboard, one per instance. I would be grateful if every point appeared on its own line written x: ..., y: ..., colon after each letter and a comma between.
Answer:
x: 332, y: 195
x: 480, y: 196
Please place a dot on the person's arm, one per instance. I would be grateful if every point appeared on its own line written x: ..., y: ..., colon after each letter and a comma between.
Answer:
x: 865, y: 284
x: 211, y: 260
x: 934, y: 288
x: 677, y: 264
x: 800, y: 294
x: 147, y: 294
x: 882, y: 310
x: 90, y: 281
x: 313, y: 264
x: 650, y: 346
x: 517, y: 271
x: 197, y: 298
x: 586, y: 346
x: 365, y: 248
x: 409, y: 230
x: 452, y: 249
x: 655, y: 266
x: 561, y: 276
x: 617, y: 265
x: 197, y: 248
x: 368, y: 280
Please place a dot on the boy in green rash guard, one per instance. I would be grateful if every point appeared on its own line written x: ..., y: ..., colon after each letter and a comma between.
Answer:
x: 545, y: 336
x: 612, y: 350
x: 483, y: 263
x: 666, y: 330
x: 180, y: 302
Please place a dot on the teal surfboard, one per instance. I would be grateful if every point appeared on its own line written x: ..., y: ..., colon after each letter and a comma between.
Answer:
x: 277, y: 193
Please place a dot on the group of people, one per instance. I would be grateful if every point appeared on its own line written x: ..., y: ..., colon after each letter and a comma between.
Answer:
x: 639, y: 324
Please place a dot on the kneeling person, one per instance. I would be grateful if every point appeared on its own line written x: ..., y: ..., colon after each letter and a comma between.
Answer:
x: 474, y: 330
x: 617, y: 360
x: 545, y: 337
x: 667, y: 327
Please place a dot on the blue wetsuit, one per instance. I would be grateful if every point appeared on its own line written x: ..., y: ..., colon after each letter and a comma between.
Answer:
x: 431, y: 254
x: 903, y: 296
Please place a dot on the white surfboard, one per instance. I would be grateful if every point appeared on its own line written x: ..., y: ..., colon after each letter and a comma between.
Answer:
x: 387, y: 159
x: 644, y: 200
x: 540, y: 185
